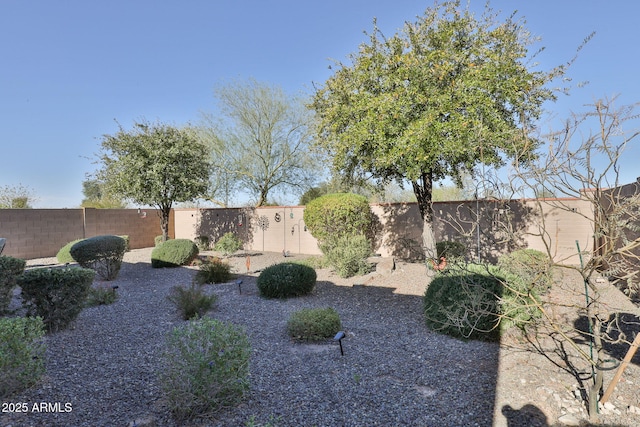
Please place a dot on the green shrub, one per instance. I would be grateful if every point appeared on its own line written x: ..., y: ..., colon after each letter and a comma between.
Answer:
x: 10, y: 269
x: 206, y: 368
x: 313, y: 324
x: 348, y: 254
x: 191, y: 301
x: 174, y: 253
x: 477, y: 302
x: 101, y: 295
x: 103, y: 254
x: 464, y: 303
x: 127, y: 246
x: 22, y: 352
x: 64, y: 254
x: 531, y: 267
x: 56, y: 294
x: 213, y: 270
x: 339, y: 214
x: 228, y: 244
x: 203, y: 243
x: 285, y: 280
x: 450, y: 250
x: 158, y: 240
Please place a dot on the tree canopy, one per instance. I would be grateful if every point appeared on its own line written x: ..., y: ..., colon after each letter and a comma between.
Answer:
x: 156, y: 165
x: 447, y: 93
x: 262, y: 141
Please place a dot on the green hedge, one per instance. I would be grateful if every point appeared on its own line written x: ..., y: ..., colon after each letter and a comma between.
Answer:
x: 314, y: 324
x: 57, y: 295
x: 338, y: 214
x: 22, y: 353
x: 103, y: 254
x: 10, y: 269
x: 285, y: 280
x: 64, y: 254
x: 174, y: 253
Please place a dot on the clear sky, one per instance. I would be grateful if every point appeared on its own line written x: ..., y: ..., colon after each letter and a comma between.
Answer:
x: 70, y: 68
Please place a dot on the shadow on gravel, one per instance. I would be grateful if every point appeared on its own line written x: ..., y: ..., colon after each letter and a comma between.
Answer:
x: 394, y: 371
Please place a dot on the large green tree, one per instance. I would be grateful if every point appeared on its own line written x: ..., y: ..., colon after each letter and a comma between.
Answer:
x: 156, y: 165
x: 261, y: 142
x: 443, y: 95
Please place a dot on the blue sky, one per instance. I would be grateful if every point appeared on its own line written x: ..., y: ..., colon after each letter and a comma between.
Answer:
x: 70, y: 68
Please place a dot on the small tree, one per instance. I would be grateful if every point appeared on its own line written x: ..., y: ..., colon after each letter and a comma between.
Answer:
x: 449, y: 92
x: 96, y: 197
x: 16, y: 197
x: 155, y: 164
x: 265, y: 143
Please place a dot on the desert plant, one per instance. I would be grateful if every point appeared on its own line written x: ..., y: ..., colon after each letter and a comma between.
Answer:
x: 174, y: 253
x: 10, y: 269
x: 228, y: 244
x: 64, y: 254
x: 477, y: 301
x: 103, y: 254
x: 127, y: 244
x: 531, y: 266
x: 101, y: 295
x: 347, y: 254
x: 451, y: 250
x: 338, y: 214
x: 285, y: 280
x: 206, y: 367
x: 22, y: 352
x: 213, y: 270
x: 56, y: 294
x: 203, y: 243
x: 191, y: 301
x: 313, y: 324
x: 158, y: 240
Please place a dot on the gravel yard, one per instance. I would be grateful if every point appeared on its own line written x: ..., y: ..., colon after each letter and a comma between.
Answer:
x: 103, y: 371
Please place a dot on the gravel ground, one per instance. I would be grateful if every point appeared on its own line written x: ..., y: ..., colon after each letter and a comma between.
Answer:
x: 104, y: 370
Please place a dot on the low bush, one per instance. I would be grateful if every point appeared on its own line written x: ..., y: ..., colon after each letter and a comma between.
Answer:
x: 213, y: 270
x: 101, y: 295
x: 531, y: 267
x: 22, y: 352
x: 228, y: 244
x: 450, y: 250
x: 10, y: 269
x: 64, y: 254
x: 313, y: 324
x: 127, y: 246
x: 174, y: 253
x: 191, y: 301
x: 206, y: 368
x: 103, y: 254
x: 285, y: 280
x: 57, y: 295
x: 203, y: 243
x: 478, y: 302
x: 348, y: 254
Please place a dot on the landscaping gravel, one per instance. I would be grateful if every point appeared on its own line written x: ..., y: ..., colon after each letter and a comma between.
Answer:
x: 104, y: 370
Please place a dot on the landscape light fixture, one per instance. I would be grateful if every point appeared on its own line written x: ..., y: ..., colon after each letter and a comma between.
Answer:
x: 338, y: 338
x: 239, y: 283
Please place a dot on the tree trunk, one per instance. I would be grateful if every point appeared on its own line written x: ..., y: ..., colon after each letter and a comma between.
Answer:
x: 165, y: 211
x: 423, y: 189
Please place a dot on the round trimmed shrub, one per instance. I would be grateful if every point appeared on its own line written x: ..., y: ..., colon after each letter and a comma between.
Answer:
x: 174, y: 253
x: 57, y: 295
x: 531, y: 267
x: 285, y: 280
x: 10, y: 269
x: 103, y: 254
x: 338, y: 214
x: 464, y: 303
x: 64, y: 254
x: 313, y: 324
